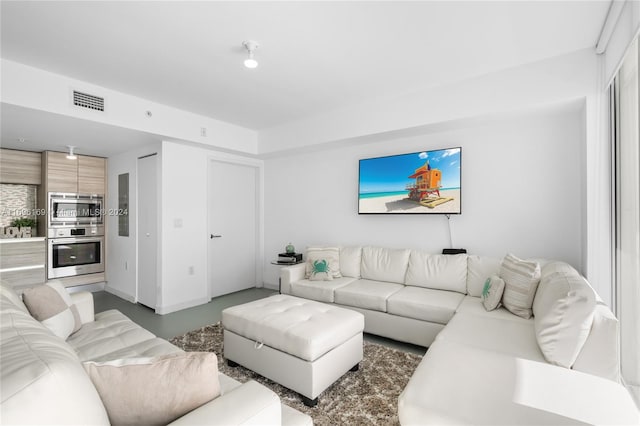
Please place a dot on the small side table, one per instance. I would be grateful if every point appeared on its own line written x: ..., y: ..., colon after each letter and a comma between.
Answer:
x: 275, y: 262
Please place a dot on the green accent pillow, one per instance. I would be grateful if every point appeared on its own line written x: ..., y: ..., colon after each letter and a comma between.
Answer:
x: 320, y: 270
x: 329, y: 254
x: 492, y: 292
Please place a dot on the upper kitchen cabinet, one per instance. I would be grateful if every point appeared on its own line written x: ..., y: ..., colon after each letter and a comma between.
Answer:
x: 84, y: 175
x: 20, y: 167
x: 91, y: 173
x: 61, y: 174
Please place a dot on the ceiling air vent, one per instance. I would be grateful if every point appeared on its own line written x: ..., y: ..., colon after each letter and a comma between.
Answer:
x: 85, y: 100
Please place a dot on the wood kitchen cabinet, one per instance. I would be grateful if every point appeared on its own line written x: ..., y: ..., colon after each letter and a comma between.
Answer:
x: 61, y: 174
x: 84, y: 175
x: 22, y: 261
x: 20, y: 167
x: 91, y: 177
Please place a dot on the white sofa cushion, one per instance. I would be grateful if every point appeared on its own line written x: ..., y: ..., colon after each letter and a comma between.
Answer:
x: 320, y: 291
x: 110, y: 332
x: 302, y: 328
x: 366, y: 294
x: 145, y: 349
x: 459, y: 384
x: 83, y: 301
x: 424, y: 304
x: 248, y: 404
x: 350, y: 259
x: 330, y: 256
x: 563, y: 313
x: 10, y: 294
x: 383, y: 264
x: 600, y: 354
x: 437, y: 271
x: 155, y: 390
x: 479, y: 268
x: 521, y: 278
x: 492, y: 333
x: 473, y: 305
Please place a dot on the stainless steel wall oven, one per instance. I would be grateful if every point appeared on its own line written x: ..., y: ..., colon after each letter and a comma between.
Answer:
x: 75, y: 256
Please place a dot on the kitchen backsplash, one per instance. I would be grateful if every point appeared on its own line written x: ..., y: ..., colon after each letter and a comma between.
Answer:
x: 17, y: 201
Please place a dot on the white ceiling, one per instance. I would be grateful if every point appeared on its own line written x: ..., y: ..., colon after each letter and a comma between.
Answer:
x: 314, y: 56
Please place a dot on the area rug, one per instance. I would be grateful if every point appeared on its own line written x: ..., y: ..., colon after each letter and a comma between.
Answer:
x: 366, y: 397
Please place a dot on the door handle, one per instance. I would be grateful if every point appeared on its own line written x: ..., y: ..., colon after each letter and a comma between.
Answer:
x: 215, y: 236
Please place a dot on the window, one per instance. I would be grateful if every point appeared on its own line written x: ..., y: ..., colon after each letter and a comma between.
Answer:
x: 626, y: 135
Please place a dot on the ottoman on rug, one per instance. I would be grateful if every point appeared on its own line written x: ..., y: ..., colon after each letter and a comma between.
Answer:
x: 302, y: 344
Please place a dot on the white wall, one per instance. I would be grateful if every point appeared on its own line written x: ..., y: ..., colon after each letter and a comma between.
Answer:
x: 183, y: 198
x: 121, y: 251
x: 521, y: 192
x: 184, y: 247
x: 31, y: 87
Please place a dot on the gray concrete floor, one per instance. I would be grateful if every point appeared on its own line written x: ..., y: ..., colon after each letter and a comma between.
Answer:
x: 177, y: 323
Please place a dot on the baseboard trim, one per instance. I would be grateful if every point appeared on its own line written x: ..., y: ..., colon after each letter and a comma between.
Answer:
x: 270, y: 286
x: 87, y: 287
x: 120, y: 294
x: 163, y: 310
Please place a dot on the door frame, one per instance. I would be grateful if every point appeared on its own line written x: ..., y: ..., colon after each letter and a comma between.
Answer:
x: 259, y: 166
x: 158, y: 210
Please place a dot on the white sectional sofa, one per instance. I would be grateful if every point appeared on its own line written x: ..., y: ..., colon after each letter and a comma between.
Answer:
x: 43, y: 380
x: 483, y: 367
x: 406, y: 295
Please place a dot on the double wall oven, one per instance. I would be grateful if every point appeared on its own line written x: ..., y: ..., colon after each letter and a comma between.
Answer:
x: 75, y: 234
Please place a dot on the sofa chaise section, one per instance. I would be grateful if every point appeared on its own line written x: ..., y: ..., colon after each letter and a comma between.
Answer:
x: 487, y: 367
x: 462, y: 384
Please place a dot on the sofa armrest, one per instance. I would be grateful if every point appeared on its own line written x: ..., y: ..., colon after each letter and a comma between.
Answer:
x: 291, y: 274
x: 84, y: 302
x: 248, y: 404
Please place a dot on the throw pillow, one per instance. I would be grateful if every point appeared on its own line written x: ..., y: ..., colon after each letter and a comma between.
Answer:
x: 564, y: 308
x: 57, y: 286
x: 52, y: 306
x: 155, y: 391
x: 492, y: 292
x: 521, y: 280
x: 320, y: 271
x: 329, y: 254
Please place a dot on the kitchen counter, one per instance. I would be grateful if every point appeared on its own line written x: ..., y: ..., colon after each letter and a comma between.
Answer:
x: 21, y: 240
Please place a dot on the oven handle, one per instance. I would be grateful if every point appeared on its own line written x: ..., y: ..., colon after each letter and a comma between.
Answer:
x: 76, y: 240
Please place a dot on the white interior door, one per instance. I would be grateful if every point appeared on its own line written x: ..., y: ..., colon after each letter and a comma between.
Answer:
x: 233, y: 237
x: 147, y: 191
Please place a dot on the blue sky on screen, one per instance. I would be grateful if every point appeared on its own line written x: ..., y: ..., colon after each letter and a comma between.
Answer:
x: 388, y: 174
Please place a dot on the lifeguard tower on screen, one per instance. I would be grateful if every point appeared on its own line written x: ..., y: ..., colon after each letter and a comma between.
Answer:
x: 426, y: 189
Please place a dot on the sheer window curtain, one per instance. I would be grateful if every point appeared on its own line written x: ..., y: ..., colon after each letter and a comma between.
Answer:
x: 626, y: 103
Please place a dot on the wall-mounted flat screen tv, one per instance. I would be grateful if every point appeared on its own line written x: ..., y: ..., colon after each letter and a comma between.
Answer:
x: 425, y: 182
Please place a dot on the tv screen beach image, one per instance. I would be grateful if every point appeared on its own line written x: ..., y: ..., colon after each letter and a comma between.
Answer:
x: 420, y: 182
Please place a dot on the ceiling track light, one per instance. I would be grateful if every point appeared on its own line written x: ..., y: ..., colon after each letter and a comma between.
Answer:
x: 250, y: 45
x: 71, y: 155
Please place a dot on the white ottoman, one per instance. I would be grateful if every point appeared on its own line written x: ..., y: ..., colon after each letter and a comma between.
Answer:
x: 301, y: 344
